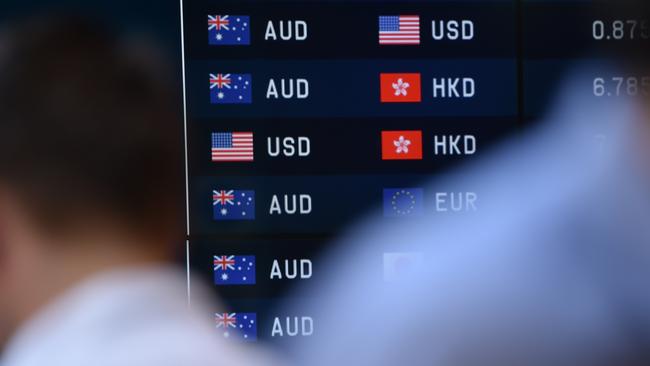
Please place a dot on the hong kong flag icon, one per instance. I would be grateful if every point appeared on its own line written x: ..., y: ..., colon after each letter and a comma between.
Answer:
x: 401, y: 145
x: 401, y: 88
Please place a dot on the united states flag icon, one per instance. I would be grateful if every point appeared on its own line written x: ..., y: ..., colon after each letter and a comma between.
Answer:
x: 399, y: 30
x: 232, y: 146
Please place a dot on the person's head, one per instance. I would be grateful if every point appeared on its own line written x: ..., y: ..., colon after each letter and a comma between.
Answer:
x: 90, y: 165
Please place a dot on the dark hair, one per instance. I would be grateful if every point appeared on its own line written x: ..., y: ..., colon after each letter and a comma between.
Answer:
x: 88, y: 126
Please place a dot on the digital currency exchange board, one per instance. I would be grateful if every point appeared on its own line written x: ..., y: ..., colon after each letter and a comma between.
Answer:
x: 303, y: 117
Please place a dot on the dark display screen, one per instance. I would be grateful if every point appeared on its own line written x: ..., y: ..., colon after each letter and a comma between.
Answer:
x: 304, y: 117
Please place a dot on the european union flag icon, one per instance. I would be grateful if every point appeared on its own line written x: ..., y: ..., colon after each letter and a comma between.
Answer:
x: 403, y: 202
x: 234, y: 270
x: 237, y: 326
x: 229, y: 30
x: 231, y: 88
x: 231, y: 205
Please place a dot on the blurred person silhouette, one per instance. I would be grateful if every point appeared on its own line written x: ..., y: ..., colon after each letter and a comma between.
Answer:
x: 89, y: 171
x: 552, y: 269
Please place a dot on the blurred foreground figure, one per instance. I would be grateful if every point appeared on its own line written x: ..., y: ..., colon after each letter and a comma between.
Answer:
x: 552, y: 270
x: 88, y: 163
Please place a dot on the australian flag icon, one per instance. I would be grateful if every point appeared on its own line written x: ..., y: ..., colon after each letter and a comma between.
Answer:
x: 231, y: 89
x: 229, y: 30
x: 234, y: 270
x: 237, y: 326
x: 230, y: 205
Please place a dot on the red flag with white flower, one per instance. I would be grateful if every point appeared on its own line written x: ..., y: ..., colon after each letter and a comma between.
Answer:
x: 401, y: 88
x: 401, y: 145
